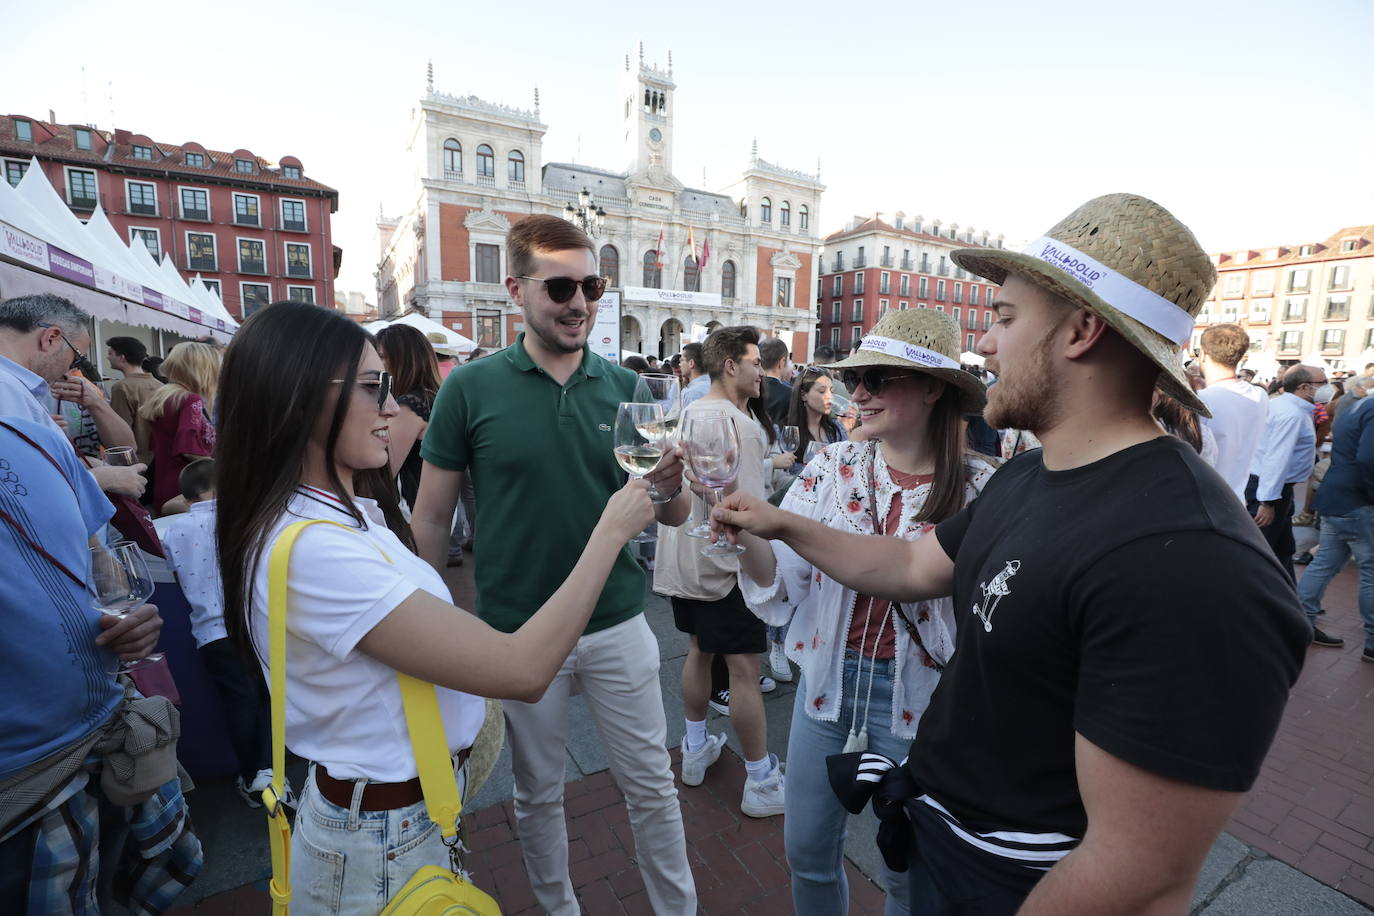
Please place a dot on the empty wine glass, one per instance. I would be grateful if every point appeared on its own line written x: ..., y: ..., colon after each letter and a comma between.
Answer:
x: 666, y: 391
x: 121, y: 456
x: 789, y: 437
x: 119, y: 582
x: 639, y: 443
x: 714, y: 459
x: 702, y: 528
x: 813, y: 448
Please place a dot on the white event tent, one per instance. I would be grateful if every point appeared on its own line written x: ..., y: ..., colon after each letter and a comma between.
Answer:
x: 452, y: 340
x: 45, y: 248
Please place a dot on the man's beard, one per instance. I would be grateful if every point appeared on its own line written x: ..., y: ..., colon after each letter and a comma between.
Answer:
x: 548, y: 333
x: 1029, y: 397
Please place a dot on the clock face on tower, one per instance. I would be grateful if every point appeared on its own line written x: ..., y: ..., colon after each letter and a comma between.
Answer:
x: 655, y: 135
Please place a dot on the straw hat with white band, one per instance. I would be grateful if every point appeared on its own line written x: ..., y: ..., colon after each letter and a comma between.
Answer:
x: 1127, y: 259
x: 921, y: 339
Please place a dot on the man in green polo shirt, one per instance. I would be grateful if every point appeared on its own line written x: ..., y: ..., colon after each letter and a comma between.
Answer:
x: 534, y: 425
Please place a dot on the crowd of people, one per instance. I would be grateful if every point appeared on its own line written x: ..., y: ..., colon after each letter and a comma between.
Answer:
x: 1006, y: 593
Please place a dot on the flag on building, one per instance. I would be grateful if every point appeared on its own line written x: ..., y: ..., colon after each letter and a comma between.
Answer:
x: 705, y: 254
x: 658, y: 250
x: 692, y: 245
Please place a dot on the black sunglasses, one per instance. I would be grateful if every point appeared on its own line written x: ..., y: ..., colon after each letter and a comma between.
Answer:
x: 562, y: 289
x: 382, y: 385
x: 871, y: 378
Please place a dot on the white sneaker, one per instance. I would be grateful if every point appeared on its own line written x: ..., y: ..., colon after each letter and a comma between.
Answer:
x: 767, y: 684
x: 694, y: 763
x: 764, y: 797
x: 778, y: 663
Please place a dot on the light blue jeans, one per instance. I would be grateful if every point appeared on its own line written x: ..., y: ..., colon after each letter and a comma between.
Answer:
x: 815, y: 825
x: 1342, y: 536
x: 352, y: 862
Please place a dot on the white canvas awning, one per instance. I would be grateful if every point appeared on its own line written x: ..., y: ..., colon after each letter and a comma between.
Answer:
x: 969, y: 358
x: 452, y: 341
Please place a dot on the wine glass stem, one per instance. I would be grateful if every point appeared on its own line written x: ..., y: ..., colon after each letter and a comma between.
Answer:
x: 719, y: 494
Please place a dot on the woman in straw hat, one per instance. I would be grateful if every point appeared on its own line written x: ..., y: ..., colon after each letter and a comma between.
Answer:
x: 867, y: 666
x: 1102, y: 583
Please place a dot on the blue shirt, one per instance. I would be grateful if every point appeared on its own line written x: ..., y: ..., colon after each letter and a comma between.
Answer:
x: 24, y: 394
x: 1349, y: 483
x: 695, y: 389
x: 1287, y: 448
x: 56, y: 683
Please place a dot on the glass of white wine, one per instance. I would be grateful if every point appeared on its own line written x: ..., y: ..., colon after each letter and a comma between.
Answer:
x: 714, y: 459
x: 666, y: 391
x: 119, y: 582
x: 702, y: 526
x: 639, y: 442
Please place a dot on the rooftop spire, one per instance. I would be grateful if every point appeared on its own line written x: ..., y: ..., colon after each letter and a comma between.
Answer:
x: 429, y: 75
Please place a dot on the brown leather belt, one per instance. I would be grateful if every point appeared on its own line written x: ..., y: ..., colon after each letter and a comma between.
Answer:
x: 377, y: 796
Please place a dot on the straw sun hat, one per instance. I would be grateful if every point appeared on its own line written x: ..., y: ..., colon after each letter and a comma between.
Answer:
x: 921, y: 339
x: 1128, y: 260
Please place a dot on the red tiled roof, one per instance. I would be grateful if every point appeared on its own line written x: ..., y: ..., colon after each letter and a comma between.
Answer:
x: 58, y: 142
x: 875, y: 224
x: 1329, y: 249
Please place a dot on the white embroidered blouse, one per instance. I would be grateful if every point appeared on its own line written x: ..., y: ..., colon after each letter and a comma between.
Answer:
x: 833, y: 489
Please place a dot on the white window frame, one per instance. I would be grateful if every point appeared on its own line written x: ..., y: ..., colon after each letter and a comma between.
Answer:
x: 281, y: 213
x: 882, y: 307
x: 922, y: 288
x: 5, y: 167
x: 185, y: 160
x: 968, y: 342
x: 857, y: 333
x: 314, y: 298
x: 856, y: 311
x: 209, y: 204
x: 939, y: 308
x: 958, y: 293
x: 955, y: 313
x: 90, y: 139
x: 837, y: 285
x: 234, y: 210
x: 904, y: 285
x: 128, y: 197
x: 251, y: 170
x: 858, y: 282
x: 214, y: 243
x: 835, y: 338
x: 243, y: 300
x: 286, y: 263
x: 903, y: 305
x: 837, y: 312
x: 238, y: 261
x: 155, y: 231
x: 1347, y: 283
x: 885, y: 282
x: 67, y: 175
x: 133, y: 152
x: 940, y: 291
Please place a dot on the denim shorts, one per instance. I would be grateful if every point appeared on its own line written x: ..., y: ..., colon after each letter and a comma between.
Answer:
x: 352, y: 862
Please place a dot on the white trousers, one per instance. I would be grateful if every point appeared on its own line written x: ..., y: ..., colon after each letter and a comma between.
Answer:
x: 616, y: 669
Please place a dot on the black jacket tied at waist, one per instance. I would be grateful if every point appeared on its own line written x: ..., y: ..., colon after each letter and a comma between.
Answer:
x: 858, y: 778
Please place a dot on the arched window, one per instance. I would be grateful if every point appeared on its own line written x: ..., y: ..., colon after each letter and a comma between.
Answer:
x: 765, y: 211
x: 785, y: 214
x: 653, y: 274
x: 803, y: 218
x: 486, y: 162
x: 515, y: 166
x: 610, y: 264
x: 691, y: 276
x: 727, y: 280
x: 453, y: 156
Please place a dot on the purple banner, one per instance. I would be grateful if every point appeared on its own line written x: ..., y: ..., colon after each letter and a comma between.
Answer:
x: 70, y: 267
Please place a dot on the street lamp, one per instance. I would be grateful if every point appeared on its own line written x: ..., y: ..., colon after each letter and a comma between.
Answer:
x: 586, y: 215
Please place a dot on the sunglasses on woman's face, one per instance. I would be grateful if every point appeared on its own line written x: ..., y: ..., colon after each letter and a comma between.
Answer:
x: 382, y: 386
x: 562, y: 289
x: 872, y: 379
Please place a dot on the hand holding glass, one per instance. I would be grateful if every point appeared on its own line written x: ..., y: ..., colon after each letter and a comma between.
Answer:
x: 703, y: 528
x: 119, y: 582
x: 638, y: 442
x: 665, y: 391
x: 713, y: 455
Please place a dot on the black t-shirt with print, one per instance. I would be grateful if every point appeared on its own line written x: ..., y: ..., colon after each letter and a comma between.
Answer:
x: 1131, y: 601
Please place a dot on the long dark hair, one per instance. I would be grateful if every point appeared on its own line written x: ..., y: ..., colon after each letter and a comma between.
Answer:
x: 946, y: 433
x: 796, y: 410
x: 410, y: 359
x: 758, y: 409
x: 273, y: 384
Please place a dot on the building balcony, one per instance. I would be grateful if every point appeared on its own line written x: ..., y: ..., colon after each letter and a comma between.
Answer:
x: 860, y: 263
x: 83, y: 203
x: 143, y: 209
x: 293, y: 225
x: 516, y: 184
x: 253, y: 267
x: 298, y: 273
x: 942, y: 271
x: 885, y: 261
x: 204, y: 265
x: 200, y: 216
x: 246, y: 219
x: 453, y: 174
x: 486, y: 181
x: 906, y: 264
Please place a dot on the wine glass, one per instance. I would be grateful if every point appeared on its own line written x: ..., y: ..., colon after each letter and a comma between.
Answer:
x: 119, y: 582
x: 714, y: 459
x: 789, y: 437
x: 639, y: 443
x: 121, y: 456
x: 703, y: 527
x: 666, y: 391
x: 813, y: 448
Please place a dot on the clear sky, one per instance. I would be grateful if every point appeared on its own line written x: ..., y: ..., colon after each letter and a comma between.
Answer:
x: 1250, y: 121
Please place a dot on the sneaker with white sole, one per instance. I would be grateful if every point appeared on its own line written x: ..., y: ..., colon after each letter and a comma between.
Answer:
x: 695, y: 763
x: 720, y: 701
x: 778, y: 663
x: 764, y: 797
x: 767, y: 684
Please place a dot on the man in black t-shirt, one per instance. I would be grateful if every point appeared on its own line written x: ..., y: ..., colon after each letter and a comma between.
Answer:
x: 1126, y: 640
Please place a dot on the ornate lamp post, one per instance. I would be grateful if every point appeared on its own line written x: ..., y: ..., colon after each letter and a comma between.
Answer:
x: 586, y: 216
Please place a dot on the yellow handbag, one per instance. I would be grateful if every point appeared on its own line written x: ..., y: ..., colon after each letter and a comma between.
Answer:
x: 431, y: 891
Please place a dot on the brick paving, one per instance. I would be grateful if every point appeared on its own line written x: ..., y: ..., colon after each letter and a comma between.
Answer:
x: 1313, y: 806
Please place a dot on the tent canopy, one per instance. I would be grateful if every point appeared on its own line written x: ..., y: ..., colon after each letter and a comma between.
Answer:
x: 969, y: 358
x: 452, y: 341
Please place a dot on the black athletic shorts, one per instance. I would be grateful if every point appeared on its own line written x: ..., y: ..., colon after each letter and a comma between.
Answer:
x: 725, y: 626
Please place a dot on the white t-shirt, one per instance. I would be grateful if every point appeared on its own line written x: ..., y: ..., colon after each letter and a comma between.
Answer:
x: 343, y: 708
x: 188, y: 540
x: 1238, y: 411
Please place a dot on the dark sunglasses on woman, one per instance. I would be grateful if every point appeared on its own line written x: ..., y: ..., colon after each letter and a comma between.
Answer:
x: 562, y: 289
x: 872, y: 379
x: 382, y: 386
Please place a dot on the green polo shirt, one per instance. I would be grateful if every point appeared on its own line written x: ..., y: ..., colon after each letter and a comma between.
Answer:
x: 542, y: 461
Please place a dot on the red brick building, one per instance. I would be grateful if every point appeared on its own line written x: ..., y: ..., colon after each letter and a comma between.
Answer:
x: 871, y: 266
x: 255, y: 232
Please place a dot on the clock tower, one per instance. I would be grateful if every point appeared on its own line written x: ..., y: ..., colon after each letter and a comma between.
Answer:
x: 648, y: 111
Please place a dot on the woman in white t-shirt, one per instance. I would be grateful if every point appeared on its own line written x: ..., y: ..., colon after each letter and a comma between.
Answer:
x: 304, y: 411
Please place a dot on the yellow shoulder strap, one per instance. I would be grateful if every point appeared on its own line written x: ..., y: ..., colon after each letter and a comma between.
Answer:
x: 427, y: 741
